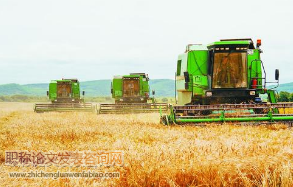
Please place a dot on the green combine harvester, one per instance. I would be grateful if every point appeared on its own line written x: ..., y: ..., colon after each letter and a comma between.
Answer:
x: 132, y: 95
x: 65, y: 96
x: 225, y: 81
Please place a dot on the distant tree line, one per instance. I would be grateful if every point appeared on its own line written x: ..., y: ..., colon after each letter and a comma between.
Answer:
x: 22, y: 98
x: 284, y: 96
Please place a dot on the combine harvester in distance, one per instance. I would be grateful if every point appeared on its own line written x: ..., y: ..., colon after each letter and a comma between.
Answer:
x: 65, y: 96
x: 225, y: 81
x: 131, y: 94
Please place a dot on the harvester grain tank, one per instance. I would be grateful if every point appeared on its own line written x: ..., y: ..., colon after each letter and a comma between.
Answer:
x: 225, y: 81
x: 132, y: 95
x: 64, y: 95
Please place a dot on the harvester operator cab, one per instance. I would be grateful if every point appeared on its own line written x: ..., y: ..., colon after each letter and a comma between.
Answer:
x: 225, y: 71
x: 65, y: 91
x: 228, y: 66
x: 132, y: 88
x: 225, y: 81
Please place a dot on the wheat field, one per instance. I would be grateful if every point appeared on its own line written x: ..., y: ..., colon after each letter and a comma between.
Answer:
x: 154, y: 155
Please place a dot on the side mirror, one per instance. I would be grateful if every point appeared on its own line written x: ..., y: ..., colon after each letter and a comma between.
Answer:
x: 186, y: 86
x: 47, y: 93
x: 186, y: 76
x: 277, y: 74
x: 153, y: 92
x: 83, y: 93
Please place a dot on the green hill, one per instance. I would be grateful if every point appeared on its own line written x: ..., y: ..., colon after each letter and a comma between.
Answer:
x: 163, y: 87
x: 286, y: 87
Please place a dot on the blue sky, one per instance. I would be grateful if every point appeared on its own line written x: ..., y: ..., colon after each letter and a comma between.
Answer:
x: 42, y: 40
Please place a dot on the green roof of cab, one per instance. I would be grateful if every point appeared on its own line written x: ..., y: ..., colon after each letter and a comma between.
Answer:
x: 55, y: 81
x: 242, y: 42
x: 128, y: 76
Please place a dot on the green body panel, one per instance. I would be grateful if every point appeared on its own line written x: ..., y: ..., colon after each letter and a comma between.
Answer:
x: 74, y: 91
x: 53, y: 90
x: 254, y: 67
x: 117, y: 88
x: 195, y: 63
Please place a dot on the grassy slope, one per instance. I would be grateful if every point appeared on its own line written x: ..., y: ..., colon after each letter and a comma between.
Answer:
x: 286, y: 87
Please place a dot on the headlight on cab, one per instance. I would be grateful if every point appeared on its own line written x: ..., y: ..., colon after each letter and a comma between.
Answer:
x: 252, y: 93
x: 209, y: 94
